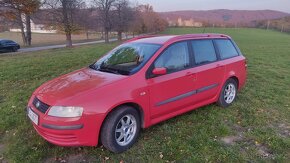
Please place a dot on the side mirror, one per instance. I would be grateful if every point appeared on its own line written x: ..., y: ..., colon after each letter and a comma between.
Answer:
x: 159, y: 71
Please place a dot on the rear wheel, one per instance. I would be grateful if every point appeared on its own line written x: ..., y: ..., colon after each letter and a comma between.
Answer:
x: 121, y: 129
x: 228, y: 93
x: 14, y: 49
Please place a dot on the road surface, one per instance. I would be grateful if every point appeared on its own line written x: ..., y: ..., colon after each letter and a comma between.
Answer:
x: 63, y: 46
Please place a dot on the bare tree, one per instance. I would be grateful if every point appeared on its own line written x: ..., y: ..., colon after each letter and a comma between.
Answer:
x: 19, y: 12
x: 123, y: 16
x: 87, y: 20
x: 64, y: 14
x: 104, y: 8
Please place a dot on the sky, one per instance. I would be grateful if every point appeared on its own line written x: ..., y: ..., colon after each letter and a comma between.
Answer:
x: 175, y: 5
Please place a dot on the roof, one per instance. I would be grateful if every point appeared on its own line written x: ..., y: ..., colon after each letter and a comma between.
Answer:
x: 152, y: 39
x: 161, y: 39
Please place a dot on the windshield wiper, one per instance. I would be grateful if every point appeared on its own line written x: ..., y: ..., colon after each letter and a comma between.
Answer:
x: 110, y: 70
x: 92, y: 66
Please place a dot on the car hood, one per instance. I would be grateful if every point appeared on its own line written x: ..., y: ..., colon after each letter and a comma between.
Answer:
x: 74, y: 84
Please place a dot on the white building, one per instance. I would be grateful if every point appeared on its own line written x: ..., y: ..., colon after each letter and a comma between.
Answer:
x: 35, y: 28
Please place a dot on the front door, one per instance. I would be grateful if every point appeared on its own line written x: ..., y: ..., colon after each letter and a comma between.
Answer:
x: 174, y: 90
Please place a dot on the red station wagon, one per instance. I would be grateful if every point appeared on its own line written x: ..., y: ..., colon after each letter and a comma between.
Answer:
x: 136, y: 85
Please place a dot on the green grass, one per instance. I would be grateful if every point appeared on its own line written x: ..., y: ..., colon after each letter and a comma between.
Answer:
x: 260, y: 117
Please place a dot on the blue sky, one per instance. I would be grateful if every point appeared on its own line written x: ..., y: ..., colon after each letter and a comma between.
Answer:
x: 174, y: 5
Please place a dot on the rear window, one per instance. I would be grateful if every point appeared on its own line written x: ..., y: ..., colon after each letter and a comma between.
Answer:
x: 226, y: 49
x: 204, y: 51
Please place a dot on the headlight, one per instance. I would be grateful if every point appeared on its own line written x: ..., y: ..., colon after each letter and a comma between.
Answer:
x: 65, y: 112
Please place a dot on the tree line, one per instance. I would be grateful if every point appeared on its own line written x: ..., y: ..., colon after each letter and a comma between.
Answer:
x: 71, y: 16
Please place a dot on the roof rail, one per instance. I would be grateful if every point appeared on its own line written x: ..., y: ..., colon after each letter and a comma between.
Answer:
x: 200, y: 35
x: 141, y: 37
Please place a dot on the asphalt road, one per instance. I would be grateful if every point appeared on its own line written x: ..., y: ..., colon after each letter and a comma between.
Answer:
x: 63, y: 46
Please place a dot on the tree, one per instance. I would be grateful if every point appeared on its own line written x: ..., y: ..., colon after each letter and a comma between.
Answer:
x: 123, y: 16
x: 86, y: 20
x: 19, y: 12
x: 63, y: 13
x: 146, y: 20
x: 104, y: 8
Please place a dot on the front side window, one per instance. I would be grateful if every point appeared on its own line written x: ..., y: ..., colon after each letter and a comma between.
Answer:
x: 175, y: 58
x: 204, y: 51
x: 226, y: 49
x: 126, y: 59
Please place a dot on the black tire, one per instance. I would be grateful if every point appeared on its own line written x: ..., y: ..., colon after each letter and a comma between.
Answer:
x: 14, y: 49
x: 109, y: 127
x: 222, y: 99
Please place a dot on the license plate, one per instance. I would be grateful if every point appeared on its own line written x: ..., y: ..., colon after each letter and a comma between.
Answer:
x: 32, y: 116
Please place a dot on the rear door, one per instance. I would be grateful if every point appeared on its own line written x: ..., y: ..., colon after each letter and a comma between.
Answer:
x: 209, y: 70
x: 172, y: 91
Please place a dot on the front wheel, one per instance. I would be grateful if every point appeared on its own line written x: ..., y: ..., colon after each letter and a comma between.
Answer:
x: 120, y: 129
x: 228, y: 93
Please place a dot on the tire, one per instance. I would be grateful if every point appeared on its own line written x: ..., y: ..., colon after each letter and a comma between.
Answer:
x: 14, y: 49
x: 228, y: 93
x: 114, y: 131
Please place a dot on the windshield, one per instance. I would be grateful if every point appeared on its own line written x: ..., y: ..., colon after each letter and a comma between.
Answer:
x: 126, y: 59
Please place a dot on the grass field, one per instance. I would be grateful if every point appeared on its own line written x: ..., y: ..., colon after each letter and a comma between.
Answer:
x: 40, y: 39
x: 256, y: 128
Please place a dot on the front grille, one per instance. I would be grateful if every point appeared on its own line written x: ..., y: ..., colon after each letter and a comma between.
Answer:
x: 42, y: 107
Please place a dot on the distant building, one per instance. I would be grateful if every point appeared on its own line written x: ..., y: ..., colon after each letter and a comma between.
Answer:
x: 171, y: 23
x: 184, y: 23
x: 36, y: 26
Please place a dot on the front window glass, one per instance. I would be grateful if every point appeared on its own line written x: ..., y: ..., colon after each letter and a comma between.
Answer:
x: 175, y: 58
x: 126, y: 59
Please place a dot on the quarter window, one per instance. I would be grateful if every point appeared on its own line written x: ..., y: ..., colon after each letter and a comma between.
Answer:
x: 226, y: 49
x: 175, y: 58
x: 204, y: 51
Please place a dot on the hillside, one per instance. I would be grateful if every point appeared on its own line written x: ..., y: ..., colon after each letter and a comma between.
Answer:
x: 223, y: 16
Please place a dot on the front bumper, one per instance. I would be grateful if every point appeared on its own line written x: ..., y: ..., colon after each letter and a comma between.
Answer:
x: 81, y: 131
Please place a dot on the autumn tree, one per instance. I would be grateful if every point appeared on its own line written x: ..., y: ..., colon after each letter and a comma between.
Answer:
x: 19, y: 12
x: 63, y: 13
x: 147, y: 20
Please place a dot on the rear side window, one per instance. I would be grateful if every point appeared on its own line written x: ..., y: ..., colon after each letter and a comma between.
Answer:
x: 175, y: 58
x: 226, y: 49
x: 204, y: 51
x: 10, y: 42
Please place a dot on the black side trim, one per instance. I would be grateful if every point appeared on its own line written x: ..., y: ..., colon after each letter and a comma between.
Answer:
x: 206, y: 88
x: 75, y: 127
x: 179, y: 97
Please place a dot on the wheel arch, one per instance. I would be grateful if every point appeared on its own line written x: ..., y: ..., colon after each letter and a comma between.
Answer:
x: 236, y: 79
x: 132, y: 104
